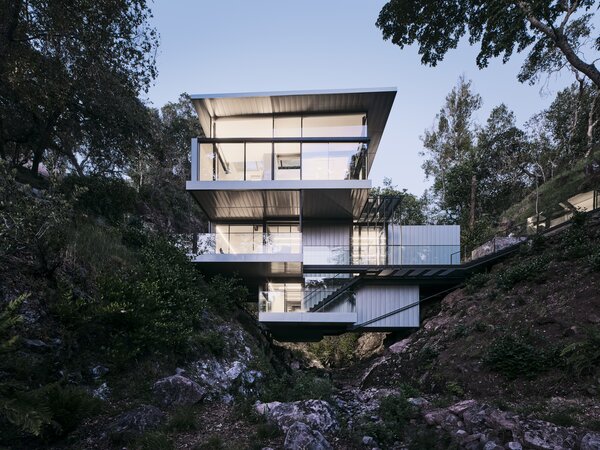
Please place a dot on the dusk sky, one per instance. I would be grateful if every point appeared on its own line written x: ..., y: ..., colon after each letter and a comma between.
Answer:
x: 269, y: 45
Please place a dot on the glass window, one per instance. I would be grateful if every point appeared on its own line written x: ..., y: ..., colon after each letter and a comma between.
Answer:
x: 342, y: 160
x: 238, y: 239
x: 284, y: 238
x: 206, y: 161
x: 287, y: 161
x: 246, y: 127
x: 287, y: 127
x: 229, y: 162
x: 346, y: 125
x: 290, y: 293
x: 368, y: 245
x: 315, y: 165
x: 258, y: 161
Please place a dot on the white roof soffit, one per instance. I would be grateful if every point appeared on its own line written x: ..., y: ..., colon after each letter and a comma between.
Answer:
x: 376, y: 102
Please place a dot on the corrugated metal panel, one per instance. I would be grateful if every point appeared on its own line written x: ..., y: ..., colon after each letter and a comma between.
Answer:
x: 373, y: 301
x: 430, y: 234
x: 325, y: 234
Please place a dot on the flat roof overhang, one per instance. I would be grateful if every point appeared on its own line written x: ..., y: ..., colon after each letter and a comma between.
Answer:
x: 376, y: 102
x: 252, y: 266
x: 255, y: 200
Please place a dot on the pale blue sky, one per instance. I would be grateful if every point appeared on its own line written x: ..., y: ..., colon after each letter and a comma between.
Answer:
x: 276, y: 45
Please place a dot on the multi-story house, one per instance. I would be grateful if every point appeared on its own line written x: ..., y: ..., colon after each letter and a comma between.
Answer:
x: 283, y: 178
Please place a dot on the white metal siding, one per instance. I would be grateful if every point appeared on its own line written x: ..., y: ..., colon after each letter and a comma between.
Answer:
x: 375, y: 301
x: 423, y: 244
x: 325, y: 234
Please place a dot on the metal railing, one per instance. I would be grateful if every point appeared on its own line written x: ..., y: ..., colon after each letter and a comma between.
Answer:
x: 380, y: 255
x: 246, y: 243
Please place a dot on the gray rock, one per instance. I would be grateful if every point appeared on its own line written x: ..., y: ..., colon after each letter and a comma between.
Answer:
x: 235, y: 370
x: 400, y: 346
x: 368, y: 440
x: 492, y: 446
x: 137, y: 420
x: 546, y: 436
x: 419, y: 402
x: 177, y: 390
x: 460, y: 407
x: 35, y: 344
x: 591, y: 441
x: 102, y: 392
x: 317, y: 414
x: 514, y: 446
x: 98, y: 371
x: 300, y: 437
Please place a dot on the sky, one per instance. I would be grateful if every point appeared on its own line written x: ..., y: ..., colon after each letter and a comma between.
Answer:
x: 221, y: 46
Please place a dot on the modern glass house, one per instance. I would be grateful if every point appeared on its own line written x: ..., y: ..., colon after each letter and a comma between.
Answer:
x: 283, y: 178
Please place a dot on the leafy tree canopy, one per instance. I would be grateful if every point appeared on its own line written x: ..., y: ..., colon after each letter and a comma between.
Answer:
x: 555, y: 32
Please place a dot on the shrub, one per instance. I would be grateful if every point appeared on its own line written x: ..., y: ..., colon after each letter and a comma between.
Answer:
x: 213, y: 443
x: 575, y: 241
x: 476, y: 282
x: 335, y: 351
x: 583, y: 357
x: 454, y: 388
x: 395, y: 412
x: 154, y: 440
x: 183, y: 419
x: 593, y: 260
x: 111, y: 198
x: 516, y: 357
x: 527, y: 270
x: 299, y: 386
x: 211, y: 342
x: 68, y: 406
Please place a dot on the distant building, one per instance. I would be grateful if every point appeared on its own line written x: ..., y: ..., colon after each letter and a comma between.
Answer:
x: 283, y: 179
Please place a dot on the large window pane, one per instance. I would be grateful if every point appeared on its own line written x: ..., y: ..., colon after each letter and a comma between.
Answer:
x: 287, y: 161
x: 341, y: 161
x: 288, y: 127
x: 258, y: 161
x: 206, y: 160
x: 229, y: 162
x: 247, y: 127
x: 347, y: 125
x: 237, y: 239
x: 315, y: 165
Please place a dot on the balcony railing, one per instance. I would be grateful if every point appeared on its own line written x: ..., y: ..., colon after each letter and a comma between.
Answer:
x: 263, y: 159
x: 302, y: 301
x: 348, y: 255
x: 248, y: 243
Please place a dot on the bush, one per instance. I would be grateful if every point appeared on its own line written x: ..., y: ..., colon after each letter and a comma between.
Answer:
x: 395, y: 412
x: 154, y: 440
x: 575, y: 241
x: 335, y: 351
x: 527, y: 270
x: 211, y: 342
x: 476, y: 282
x: 583, y: 357
x: 516, y: 357
x: 593, y: 260
x: 183, y: 419
x: 300, y: 386
x: 68, y: 406
x: 111, y: 198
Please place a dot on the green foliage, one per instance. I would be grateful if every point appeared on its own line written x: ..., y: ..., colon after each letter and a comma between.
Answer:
x: 157, y: 306
x: 68, y: 406
x: 583, y: 357
x: 154, y: 440
x: 335, y: 351
x: 502, y: 29
x: 519, y: 356
x: 298, y: 386
x: 528, y: 270
x: 575, y: 241
x: 476, y: 282
x: 593, y: 260
x: 110, y: 198
x: 267, y: 431
x: 214, y: 442
x: 454, y: 388
x: 395, y: 412
x: 212, y: 342
x: 183, y: 419
x: 564, y: 417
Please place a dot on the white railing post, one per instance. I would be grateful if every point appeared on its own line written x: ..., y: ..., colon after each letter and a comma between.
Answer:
x: 194, y: 159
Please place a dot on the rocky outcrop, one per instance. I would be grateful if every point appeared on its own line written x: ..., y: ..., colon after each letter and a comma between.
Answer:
x: 177, y: 390
x: 316, y: 414
x: 138, y: 420
x: 301, y: 437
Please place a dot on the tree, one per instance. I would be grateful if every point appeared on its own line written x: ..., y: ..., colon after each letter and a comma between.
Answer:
x: 452, y: 156
x: 555, y: 31
x: 70, y: 75
x: 411, y: 209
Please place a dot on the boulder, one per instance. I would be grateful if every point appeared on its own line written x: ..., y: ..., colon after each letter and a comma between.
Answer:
x: 177, y: 390
x: 514, y: 446
x: 591, y: 441
x: 301, y: 437
x: 317, y: 414
x: 98, y: 371
x: 460, y: 407
x: 137, y: 420
x: 542, y: 435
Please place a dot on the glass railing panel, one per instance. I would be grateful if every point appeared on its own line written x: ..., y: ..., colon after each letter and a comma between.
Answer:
x: 248, y: 243
x: 378, y: 255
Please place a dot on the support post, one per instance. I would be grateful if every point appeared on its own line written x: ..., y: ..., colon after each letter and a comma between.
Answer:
x: 194, y: 159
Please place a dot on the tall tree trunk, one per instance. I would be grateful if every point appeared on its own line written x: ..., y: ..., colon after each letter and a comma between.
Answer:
x: 590, y: 129
x: 473, y: 200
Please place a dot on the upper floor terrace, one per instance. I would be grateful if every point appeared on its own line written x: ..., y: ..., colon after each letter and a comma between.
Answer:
x: 286, y: 154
